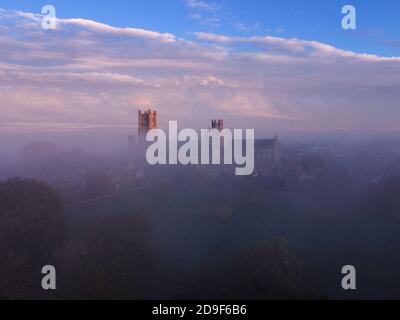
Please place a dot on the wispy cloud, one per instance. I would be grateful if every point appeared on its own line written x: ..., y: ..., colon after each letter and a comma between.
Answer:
x: 202, y: 5
x: 294, y: 46
x: 207, y: 13
x: 215, y: 15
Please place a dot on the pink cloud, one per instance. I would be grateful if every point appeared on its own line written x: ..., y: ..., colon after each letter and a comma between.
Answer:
x: 91, y: 73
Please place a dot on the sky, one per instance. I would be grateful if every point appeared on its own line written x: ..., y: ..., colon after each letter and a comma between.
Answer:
x: 270, y: 65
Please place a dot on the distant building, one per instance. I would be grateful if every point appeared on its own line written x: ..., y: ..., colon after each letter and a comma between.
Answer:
x: 147, y: 120
x: 217, y: 124
x: 267, y: 154
x: 267, y: 151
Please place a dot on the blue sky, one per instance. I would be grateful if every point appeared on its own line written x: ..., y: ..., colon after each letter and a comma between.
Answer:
x: 377, y: 32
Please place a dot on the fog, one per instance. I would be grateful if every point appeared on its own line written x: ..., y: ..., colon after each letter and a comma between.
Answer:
x: 121, y: 229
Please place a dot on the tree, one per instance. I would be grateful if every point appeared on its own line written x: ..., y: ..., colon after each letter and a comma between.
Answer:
x: 31, y: 228
x: 267, y: 271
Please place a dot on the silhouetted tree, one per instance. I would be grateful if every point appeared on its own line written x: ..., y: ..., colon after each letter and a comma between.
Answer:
x: 31, y: 228
x: 266, y: 271
x: 111, y: 261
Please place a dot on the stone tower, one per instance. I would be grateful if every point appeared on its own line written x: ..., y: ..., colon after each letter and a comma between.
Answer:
x: 217, y: 124
x: 147, y: 120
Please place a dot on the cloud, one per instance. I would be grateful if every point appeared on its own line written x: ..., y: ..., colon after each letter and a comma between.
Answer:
x: 214, y: 15
x: 293, y: 45
x: 90, y: 75
x: 215, y: 37
x: 105, y: 28
x: 209, y: 14
x: 202, y: 5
